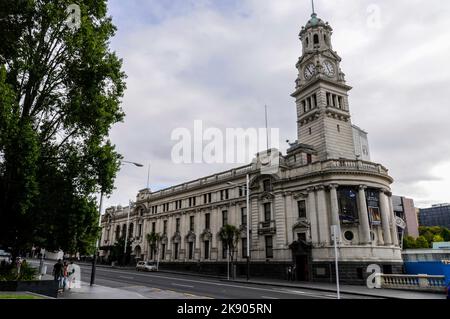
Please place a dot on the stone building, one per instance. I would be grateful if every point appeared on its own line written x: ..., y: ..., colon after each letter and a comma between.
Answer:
x: 320, y: 182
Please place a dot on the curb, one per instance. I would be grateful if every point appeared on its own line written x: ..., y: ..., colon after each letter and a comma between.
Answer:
x: 313, y: 288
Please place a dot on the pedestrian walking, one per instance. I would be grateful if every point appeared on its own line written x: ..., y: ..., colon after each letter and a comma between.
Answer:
x: 58, y: 272
x: 71, y: 275
x: 65, y: 276
x: 289, y: 273
x: 294, y: 269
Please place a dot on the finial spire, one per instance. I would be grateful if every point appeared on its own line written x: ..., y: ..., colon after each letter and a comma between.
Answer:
x: 313, y: 9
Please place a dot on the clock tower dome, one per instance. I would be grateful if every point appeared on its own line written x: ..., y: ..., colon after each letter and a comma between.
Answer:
x: 322, y: 95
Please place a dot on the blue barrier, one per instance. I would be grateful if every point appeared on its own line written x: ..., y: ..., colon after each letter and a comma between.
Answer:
x: 434, y: 268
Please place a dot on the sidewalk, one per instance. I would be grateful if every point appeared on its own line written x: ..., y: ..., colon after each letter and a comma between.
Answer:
x: 346, y: 289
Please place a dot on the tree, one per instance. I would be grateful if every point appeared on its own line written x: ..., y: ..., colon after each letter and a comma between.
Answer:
x: 421, y: 242
x: 409, y: 243
x: 437, y: 239
x: 153, y: 240
x: 117, y: 251
x: 60, y: 94
x: 230, y: 236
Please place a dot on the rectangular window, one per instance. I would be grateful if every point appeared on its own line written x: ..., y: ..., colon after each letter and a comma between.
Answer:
x: 224, y: 250
x: 206, y: 250
x: 190, y: 202
x: 314, y: 100
x: 341, y: 102
x: 224, y: 218
x: 163, y: 251
x: 267, y: 185
x: 308, y: 159
x: 301, y: 237
x: 267, y: 212
x: 244, y: 248
x: 304, y: 106
x: 301, y: 209
x: 373, y: 206
x: 328, y: 99
x: 226, y: 194
x: 221, y: 195
x: 191, y: 250
x: 244, y: 216
x: 175, y: 248
x: 191, y: 223
x: 153, y: 227
x: 207, y: 221
x: 348, y: 208
x: 309, y: 103
x: 140, y: 230
x: 177, y: 225
x: 209, y: 198
x: 269, y: 247
x: 205, y: 198
x: 165, y: 227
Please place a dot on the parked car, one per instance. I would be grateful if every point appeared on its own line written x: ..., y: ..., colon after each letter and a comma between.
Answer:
x: 146, y: 266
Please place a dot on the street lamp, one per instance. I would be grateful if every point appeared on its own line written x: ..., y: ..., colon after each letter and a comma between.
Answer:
x: 97, y: 244
x: 248, y: 222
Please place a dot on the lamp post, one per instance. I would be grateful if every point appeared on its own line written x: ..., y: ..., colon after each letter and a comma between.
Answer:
x: 126, y: 234
x: 248, y: 222
x: 97, y: 244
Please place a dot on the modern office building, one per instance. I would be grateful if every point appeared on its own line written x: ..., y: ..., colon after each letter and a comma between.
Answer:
x: 437, y: 215
x: 294, y: 201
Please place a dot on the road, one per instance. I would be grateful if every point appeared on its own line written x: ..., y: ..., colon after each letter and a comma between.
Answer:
x: 201, y: 287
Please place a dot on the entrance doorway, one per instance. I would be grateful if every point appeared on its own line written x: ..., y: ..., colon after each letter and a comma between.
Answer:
x: 302, y: 268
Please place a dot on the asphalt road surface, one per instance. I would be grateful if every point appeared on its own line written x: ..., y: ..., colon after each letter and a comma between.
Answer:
x: 202, y: 287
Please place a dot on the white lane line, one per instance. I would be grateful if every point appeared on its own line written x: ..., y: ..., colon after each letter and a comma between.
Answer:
x: 265, y: 297
x: 180, y: 285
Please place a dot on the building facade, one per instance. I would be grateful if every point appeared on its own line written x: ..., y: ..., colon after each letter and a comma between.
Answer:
x: 405, y: 209
x: 320, y: 182
x: 437, y: 215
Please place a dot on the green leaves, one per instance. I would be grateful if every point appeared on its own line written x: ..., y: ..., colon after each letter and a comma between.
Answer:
x: 60, y: 94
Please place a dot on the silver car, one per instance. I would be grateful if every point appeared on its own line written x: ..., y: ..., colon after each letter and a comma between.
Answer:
x: 146, y: 266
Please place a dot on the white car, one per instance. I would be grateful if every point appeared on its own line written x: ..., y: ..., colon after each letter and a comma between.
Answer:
x: 146, y: 266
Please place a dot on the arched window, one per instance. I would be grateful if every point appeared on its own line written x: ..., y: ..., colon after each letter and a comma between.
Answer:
x: 316, y: 39
x: 124, y: 230
x: 307, y: 41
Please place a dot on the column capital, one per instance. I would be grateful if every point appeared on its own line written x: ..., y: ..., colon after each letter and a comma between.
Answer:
x: 333, y: 186
x: 310, y: 189
x: 320, y: 187
x: 362, y: 187
x: 386, y: 191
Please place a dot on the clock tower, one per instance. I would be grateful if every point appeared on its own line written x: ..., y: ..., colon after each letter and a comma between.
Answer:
x: 321, y: 95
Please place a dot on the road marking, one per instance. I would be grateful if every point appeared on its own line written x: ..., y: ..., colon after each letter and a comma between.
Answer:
x: 265, y: 297
x: 180, y: 285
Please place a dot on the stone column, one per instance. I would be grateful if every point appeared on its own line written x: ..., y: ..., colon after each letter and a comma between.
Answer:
x: 322, y: 216
x: 289, y: 217
x: 363, y: 216
x: 393, y: 224
x: 198, y: 228
x: 385, y: 218
x: 335, y: 208
x: 312, y: 215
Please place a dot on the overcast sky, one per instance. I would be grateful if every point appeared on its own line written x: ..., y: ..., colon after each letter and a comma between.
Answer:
x: 221, y: 61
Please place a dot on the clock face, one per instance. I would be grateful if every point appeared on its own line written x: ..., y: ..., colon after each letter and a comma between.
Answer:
x: 310, y: 70
x: 329, y: 68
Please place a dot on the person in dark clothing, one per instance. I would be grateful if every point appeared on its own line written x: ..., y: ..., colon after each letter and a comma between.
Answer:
x: 58, y: 270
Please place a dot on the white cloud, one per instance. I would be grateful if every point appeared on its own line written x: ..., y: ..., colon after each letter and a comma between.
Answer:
x: 221, y: 65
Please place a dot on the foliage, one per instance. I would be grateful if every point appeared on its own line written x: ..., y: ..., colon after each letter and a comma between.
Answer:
x: 230, y: 235
x: 60, y: 94
x: 117, y: 251
x: 428, y: 236
x: 153, y: 240
x: 9, y: 273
